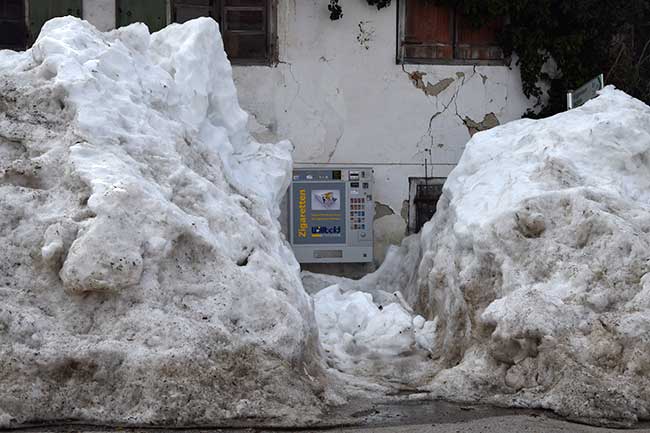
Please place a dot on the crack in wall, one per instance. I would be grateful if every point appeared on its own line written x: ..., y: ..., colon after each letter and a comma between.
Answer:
x: 298, y: 86
x: 453, y: 100
x: 336, y: 145
x: 489, y: 121
x: 309, y: 106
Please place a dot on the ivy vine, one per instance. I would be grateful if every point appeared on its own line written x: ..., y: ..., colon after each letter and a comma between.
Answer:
x: 379, y: 3
x: 336, y: 11
x: 581, y: 37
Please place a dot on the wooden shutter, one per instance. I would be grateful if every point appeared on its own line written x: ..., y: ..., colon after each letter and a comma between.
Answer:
x: 428, y: 32
x: 245, y: 30
x: 185, y: 10
x: 478, y: 43
x: 151, y: 12
x: 13, y: 30
x: 40, y: 11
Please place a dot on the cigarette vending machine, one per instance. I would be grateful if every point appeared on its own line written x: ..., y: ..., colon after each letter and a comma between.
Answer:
x: 331, y: 215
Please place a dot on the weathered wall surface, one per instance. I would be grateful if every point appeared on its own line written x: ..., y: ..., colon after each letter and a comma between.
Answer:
x: 339, y: 96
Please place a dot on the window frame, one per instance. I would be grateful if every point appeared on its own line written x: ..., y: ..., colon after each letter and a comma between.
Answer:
x: 270, y: 30
x: 401, y: 59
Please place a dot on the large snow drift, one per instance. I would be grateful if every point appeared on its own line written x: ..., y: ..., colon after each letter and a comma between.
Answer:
x: 536, y: 268
x: 143, y: 277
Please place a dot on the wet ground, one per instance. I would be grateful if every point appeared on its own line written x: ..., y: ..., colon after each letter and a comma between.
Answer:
x: 394, y: 417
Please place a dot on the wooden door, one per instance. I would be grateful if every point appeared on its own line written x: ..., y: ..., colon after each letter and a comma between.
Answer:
x: 40, y: 11
x: 151, y: 12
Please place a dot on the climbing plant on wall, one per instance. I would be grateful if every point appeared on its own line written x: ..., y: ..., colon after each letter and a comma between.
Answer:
x: 336, y: 11
x: 582, y: 37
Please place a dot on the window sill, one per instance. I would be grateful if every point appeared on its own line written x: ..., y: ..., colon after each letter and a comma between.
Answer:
x: 453, y: 62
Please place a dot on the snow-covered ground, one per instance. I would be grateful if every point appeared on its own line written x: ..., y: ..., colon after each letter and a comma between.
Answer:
x: 535, y: 271
x: 144, y: 279
x: 143, y: 276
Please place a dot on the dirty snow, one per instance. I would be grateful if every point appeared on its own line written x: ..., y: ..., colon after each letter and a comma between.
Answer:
x: 536, y: 267
x: 144, y: 279
x: 143, y: 276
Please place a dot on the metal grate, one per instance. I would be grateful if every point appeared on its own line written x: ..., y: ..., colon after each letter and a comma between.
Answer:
x: 426, y: 200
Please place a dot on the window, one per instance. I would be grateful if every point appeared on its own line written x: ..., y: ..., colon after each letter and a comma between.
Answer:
x: 40, y: 11
x: 18, y: 33
x: 439, y: 34
x: 245, y: 25
x: 13, y: 30
x: 424, y: 193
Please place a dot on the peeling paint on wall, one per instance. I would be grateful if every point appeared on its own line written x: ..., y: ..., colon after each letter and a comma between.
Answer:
x: 382, y: 210
x: 404, y: 213
x: 489, y: 121
x: 429, y: 89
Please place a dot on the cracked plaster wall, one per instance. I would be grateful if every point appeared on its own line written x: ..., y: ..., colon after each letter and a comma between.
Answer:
x: 339, y: 96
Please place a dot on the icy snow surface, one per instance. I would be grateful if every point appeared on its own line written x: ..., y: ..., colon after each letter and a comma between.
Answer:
x: 535, y: 270
x: 382, y: 342
x: 143, y: 277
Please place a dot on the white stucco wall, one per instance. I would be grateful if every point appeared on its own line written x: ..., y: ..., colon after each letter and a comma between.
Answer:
x: 339, y: 96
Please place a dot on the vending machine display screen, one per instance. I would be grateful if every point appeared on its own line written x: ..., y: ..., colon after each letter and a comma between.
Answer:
x: 321, y: 213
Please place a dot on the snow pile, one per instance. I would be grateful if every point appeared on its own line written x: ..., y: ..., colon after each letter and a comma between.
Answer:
x: 143, y: 277
x: 536, y: 267
x: 366, y: 338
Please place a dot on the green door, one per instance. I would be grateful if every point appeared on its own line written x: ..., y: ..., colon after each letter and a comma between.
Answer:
x: 42, y: 10
x: 151, y: 12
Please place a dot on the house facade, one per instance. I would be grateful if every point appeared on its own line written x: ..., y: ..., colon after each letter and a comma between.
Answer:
x: 382, y: 88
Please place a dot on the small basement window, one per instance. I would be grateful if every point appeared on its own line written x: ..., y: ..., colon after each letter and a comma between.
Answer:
x: 424, y: 194
x: 246, y: 25
x: 429, y: 33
